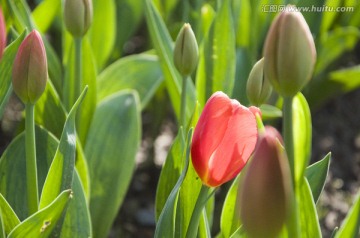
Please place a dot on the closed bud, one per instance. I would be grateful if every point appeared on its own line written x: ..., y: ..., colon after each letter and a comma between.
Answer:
x: 30, y: 69
x: 289, y: 53
x: 265, y: 192
x: 186, y: 52
x: 2, y: 33
x: 78, y: 16
x: 258, y: 88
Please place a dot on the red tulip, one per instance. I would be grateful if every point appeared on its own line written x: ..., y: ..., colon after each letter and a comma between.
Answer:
x: 2, y: 33
x: 224, y: 139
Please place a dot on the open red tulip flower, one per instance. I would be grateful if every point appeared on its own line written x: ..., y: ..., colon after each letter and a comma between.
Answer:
x: 224, y: 138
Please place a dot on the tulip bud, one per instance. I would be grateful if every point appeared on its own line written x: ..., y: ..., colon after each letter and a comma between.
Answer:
x: 78, y: 16
x: 258, y: 88
x: 289, y: 53
x: 30, y: 69
x: 265, y: 192
x: 224, y: 138
x: 2, y: 33
x: 186, y: 52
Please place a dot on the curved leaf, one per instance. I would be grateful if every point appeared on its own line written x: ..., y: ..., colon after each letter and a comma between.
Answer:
x: 41, y: 223
x: 350, y: 228
x: 45, y: 13
x: 316, y: 175
x: 111, y: 146
x: 9, y: 219
x: 302, y: 135
x: 60, y: 175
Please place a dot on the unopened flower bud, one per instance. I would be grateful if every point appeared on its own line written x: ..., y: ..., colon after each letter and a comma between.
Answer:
x: 78, y: 16
x: 289, y: 53
x: 2, y: 33
x: 186, y: 52
x: 265, y: 192
x: 258, y: 88
x: 30, y: 69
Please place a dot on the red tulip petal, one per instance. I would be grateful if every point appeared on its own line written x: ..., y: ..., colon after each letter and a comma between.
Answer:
x: 236, y: 146
x: 209, y: 131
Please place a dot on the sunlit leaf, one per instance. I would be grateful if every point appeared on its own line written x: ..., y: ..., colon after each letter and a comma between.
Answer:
x: 9, y: 219
x: 45, y: 13
x: 350, y: 228
x: 316, y: 175
x: 41, y: 223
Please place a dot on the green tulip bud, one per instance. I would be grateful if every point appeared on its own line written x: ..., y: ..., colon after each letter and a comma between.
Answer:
x: 186, y: 52
x: 78, y: 16
x: 258, y: 88
x: 2, y: 33
x: 30, y: 73
x: 265, y: 192
x: 289, y: 53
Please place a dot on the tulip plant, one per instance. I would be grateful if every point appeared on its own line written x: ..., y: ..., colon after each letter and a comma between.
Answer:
x: 68, y: 167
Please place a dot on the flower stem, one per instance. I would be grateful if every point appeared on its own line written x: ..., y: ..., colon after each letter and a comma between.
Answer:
x: 288, y: 133
x: 78, y: 68
x: 195, y: 217
x: 183, y: 102
x: 30, y: 150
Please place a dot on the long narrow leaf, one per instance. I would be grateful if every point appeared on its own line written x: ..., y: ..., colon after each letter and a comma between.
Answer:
x: 9, y: 218
x: 350, y: 228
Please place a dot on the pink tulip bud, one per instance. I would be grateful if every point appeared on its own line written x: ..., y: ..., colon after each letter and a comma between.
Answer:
x: 266, y: 189
x: 224, y: 138
x: 30, y: 69
x: 289, y: 53
x: 2, y: 33
x: 78, y: 16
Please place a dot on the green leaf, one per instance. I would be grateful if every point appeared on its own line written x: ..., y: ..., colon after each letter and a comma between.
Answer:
x: 102, y: 32
x: 9, y: 219
x: 170, y: 172
x: 111, y: 146
x: 350, y: 228
x: 166, y: 225
x: 270, y: 112
x: 309, y: 221
x: 328, y: 17
x: 239, y: 233
x: 77, y: 223
x: 316, y: 175
x: 45, y: 13
x: 60, y: 175
x: 243, y: 68
x: 164, y: 48
x: 82, y: 169
x: 6, y: 64
x: 2, y: 228
x: 216, y: 71
x: 242, y: 17
x: 230, y: 220
x: 43, y: 222
x: 302, y: 135
x: 49, y: 112
x: 140, y: 72
x: 334, y: 44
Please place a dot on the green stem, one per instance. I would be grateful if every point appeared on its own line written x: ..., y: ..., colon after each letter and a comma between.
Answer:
x: 183, y: 102
x: 30, y: 150
x: 78, y: 68
x: 195, y: 217
x: 288, y: 133
x: 293, y: 224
